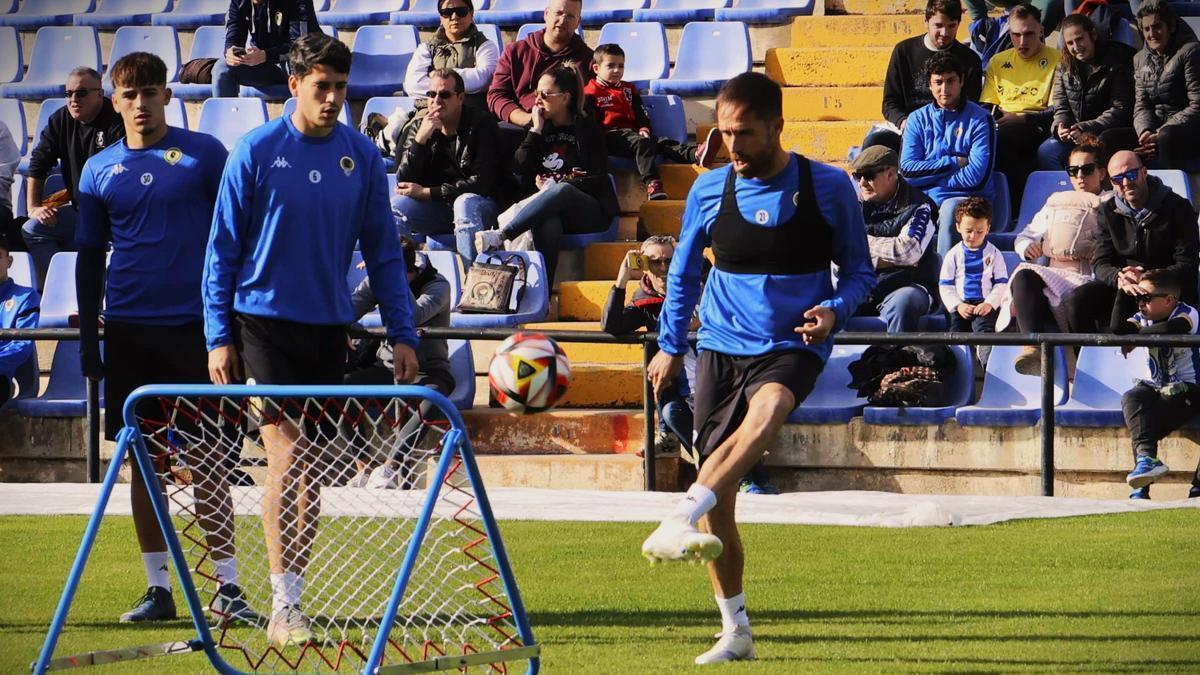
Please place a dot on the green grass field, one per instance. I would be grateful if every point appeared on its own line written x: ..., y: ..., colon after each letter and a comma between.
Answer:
x: 1085, y: 595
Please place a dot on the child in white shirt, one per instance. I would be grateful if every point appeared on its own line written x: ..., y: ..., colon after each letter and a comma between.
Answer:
x: 974, y: 276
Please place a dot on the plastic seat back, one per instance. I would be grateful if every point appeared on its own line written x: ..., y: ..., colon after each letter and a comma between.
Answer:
x: 57, y: 50
x: 208, y: 43
x: 161, y: 41
x: 1010, y: 398
x: 12, y: 113
x: 667, y: 116
x: 228, y: 119
x: 645, y: 47
x: 462, y: 368
x: 12, y: 56
x: 22, y: 270
x: 1038, y: 188
x: 831, y: 401
x: 381, y: 56
x: 59, y: 303
x: 1102, y: 376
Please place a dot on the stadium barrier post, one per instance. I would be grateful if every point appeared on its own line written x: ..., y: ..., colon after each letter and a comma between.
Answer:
x: 650, y: 461
x: 93, y: 431
x: 1047, y: 348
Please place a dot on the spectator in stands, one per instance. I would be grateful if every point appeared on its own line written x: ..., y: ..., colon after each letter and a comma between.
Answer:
x: 1155, y: 407
x: 83, y: 127
x: 948, y: 145
x: 900, y: 228
x: 564, y: 166
x: 447, y: 166
x: 906, y: 87
x: 1093, y: 90
x: 974, y: 276
x: 1064, y: 231
x: 456, y: 44
x: 1145, y: 227
x: 19, y: 307
x: 431, y: 307
x: 10, y: 157
x: 258, y: 35
x: 626, y: 125
x: 1017, y: 85
x: 1050, y: 12
x: 1166, y: 111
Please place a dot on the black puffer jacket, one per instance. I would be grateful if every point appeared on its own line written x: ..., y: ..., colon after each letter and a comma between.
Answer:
x: 1168, y: 84
x: 466, y: 163
x: 272, y: 26
x: 1099, y: 96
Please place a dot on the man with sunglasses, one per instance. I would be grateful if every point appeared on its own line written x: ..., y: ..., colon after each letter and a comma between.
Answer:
x: 1146, y: 227
x: 83, y: 127
x: 447, y: 165
x: 456, y: 44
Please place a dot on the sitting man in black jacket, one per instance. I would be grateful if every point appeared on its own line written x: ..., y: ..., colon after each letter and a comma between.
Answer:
x: 447, y: 167
x: 258, y: 35
x: 901, y: 224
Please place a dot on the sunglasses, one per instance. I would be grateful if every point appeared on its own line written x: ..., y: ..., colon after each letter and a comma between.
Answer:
x: 1081, y: 170
x: 1127, y: 177
x: 448, y: 12
x: 865, y: 175
x: 664, y: 262
x: 81, y: 92
x: 439, y: 95
x: 1149, y: 297
x: 548, y: 94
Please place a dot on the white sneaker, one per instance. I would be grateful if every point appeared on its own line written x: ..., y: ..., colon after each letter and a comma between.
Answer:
x: 290, y: 628
x: 488, y: 240
x: 522, y: 242
x: 676, y: 539
x: 735, y: 645
x: 359, y: 480
x: 383, y: 478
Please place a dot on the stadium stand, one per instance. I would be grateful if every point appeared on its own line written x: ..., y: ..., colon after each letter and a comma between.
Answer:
x: 56, y: 51
x: 18, y: 198
x: 462, y: 368
x: 1010, y: 399
x: 492, y: 32
x: 38, y: 13
x: 48, y: 108
x: 66, y: 391
x: 424, y: 14
x: 534, y: 302
x: 512, y: 12
x: 381, y: 55
x: 831, y: 401
x: 22, y: 270
x: 355, y: 13
x: 208, y: 42
x: 230, y: 118
x: 386, y: 105
x: 671, y: 12
x: 58, y: 297
x: 13, y: 116
x: 12, y: 58
x: 667, y: 119
x: 1102, y: 376
x: 448, y: 264
x: 27, y: 378
x: 645, y: 47
x: 9, y: 6
x: 176, y: 113
x: 710, y: 52
x: 159, y: 40
x: 764, y: 11
x: 192, y: 14
x: 289, y: 107
x: 598, y: 12
x: 110, y: 14
x: 957, y: 393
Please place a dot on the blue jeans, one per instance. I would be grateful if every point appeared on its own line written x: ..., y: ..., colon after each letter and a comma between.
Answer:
x: 469, y: 214
x: 947, y: 235
x: 1052, y: 154
x: 226, y: 79
x: 43, y: 241
x: 560, y: 209
x: 903, y: 308
x: 675, y: 413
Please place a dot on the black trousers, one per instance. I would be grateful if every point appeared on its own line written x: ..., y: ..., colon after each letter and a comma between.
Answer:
x: 1096, y: 307
x: 1016, y: 155
x: 1031, y: 307
x: 1150, y: 415
x: 1177, y: 145
x: 645, y: 151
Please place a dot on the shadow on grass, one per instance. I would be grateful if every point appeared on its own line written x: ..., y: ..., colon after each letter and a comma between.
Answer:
x: 1008, y: 665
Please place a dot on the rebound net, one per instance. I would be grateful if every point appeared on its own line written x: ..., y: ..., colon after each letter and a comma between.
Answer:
x: 371, y: 494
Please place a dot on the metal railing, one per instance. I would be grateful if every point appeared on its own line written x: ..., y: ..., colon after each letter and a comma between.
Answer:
x: 1045, y: 341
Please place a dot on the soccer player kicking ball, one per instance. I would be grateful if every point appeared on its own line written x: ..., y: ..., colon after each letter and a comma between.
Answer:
x: 151, y: 196
x: 297, y: 193
x: 767, y: 312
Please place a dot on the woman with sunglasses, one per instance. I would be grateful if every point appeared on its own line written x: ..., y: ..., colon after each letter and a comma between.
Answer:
x: 456, y: 44
x: 1093, y: 90
x: 563, y: 165
x: 1064, y: 232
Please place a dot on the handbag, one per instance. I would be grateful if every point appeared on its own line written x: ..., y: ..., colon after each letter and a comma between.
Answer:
x: 492, y: 286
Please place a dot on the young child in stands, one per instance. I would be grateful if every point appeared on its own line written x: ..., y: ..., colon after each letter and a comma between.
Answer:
x: 1170, y: 397
x: 974, y: 276
x: 626, y: 125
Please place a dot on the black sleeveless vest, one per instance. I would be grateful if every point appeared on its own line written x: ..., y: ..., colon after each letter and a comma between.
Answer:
x: 802, y: 245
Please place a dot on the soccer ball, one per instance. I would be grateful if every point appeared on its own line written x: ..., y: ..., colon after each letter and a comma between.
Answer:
x: 529, y: 373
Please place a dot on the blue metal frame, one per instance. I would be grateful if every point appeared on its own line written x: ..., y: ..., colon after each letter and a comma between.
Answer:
x: 455, y: 443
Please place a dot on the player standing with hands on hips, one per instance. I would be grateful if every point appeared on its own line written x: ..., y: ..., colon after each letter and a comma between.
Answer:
x: 296, y: 195
x: 767, y: 312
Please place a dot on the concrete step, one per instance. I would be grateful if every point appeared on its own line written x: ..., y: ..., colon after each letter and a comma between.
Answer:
x: 664, y: 216
x: 601, y: 261
x: 584, y: 300
x: 860, y: 31
x: 574, y: 472
x: 874, y: 7
x: 593, y: 385
x: 495, y: 431
x: 824, y: 141
x: 813, y: 104
x: 678, y: 178
x: 830, y: 67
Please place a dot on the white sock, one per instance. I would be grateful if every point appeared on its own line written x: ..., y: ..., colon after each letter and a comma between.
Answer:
x: 282, y: 591
x: 733, y: 612
x: 295, y: 590
x: 158, y: 570
x: 226, y: 571
x: 697, y: 502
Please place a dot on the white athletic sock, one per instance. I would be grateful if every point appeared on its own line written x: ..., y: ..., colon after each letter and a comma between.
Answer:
x: 733, y: 612
x: 226, y: 571
x: 158, y: 570
x: 281, y: 591
x: 697, y: 502
x: 295, y: 590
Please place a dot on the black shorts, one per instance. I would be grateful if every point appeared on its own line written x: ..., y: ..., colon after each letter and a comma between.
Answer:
x: 141, y: 354
x: 281, y: 352
x: 725, y: 384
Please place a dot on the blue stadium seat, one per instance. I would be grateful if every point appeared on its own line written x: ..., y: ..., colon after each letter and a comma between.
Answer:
x: 18, y: 198
x: 386, y: 105
x: 492, y: 33
x: 40, y: 13
x: 1102, y: 376
x: 765, y: 11
x: 1001, y: 204
x: 45, y: 110
x: 527, y: 28
x: 645, y: 46
x: 12, y: 56
x: 1124, y: 32
x: 1175, y: 179
x: 579, y: 241
x: 424, y: 14
x: 666, y: 119
x: 831, y: 401
x: 22, y: 270
x: 1010, y: 399
x: 289, y: 107
x: 448, y: 264
x: 230, y: 118
x: 193, y: 14
x: 1038, y: 187
x: 176, y: 113
x: 66, y: 392
x: 12, y: 113
x: 321, y: 5
x: 381, y: 55
x: 355, y: 13
x: 110, y: 14
x: 9, y: 6
x: 58, y: 297
x: 674, y: 12
x: 957, y: 390
x: 512, y: 12
x: 535, y: 302
x: 331, y: 31
x: 710, y: 52
x: 208, y: 42
x: 28, y: 379
x: 462, y: 368
x: 159, y: 40
x: 56, y: 51
x: 597, y: 12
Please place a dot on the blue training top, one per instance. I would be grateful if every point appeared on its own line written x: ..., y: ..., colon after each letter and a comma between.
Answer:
x: 155, y: 206
x: 754, y: 314
x: 19, y: 307
x: 290, y: 210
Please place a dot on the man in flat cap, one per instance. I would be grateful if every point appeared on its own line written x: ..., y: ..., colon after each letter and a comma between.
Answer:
x: 901, y: 225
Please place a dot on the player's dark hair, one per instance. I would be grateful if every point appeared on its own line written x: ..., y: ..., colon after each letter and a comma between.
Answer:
x: 944, y: 63
x: 449, y: 74
x: 949, y: 8
x: 1088, y: 143
x: 138, y: 69
x: 408, y: 248
x: 974, y: 207
x: 567, y: 78
x: 1163, y: 280
x: 1025, y: 11
x: 607, y: 49
x: 318, y: 49
x: 1069, y: 63
x: 1162, y: 10
x: 4, y: 245
x: 755, y: 91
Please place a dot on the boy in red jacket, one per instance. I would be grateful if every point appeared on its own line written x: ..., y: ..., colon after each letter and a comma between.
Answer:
x: 627, y: 127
